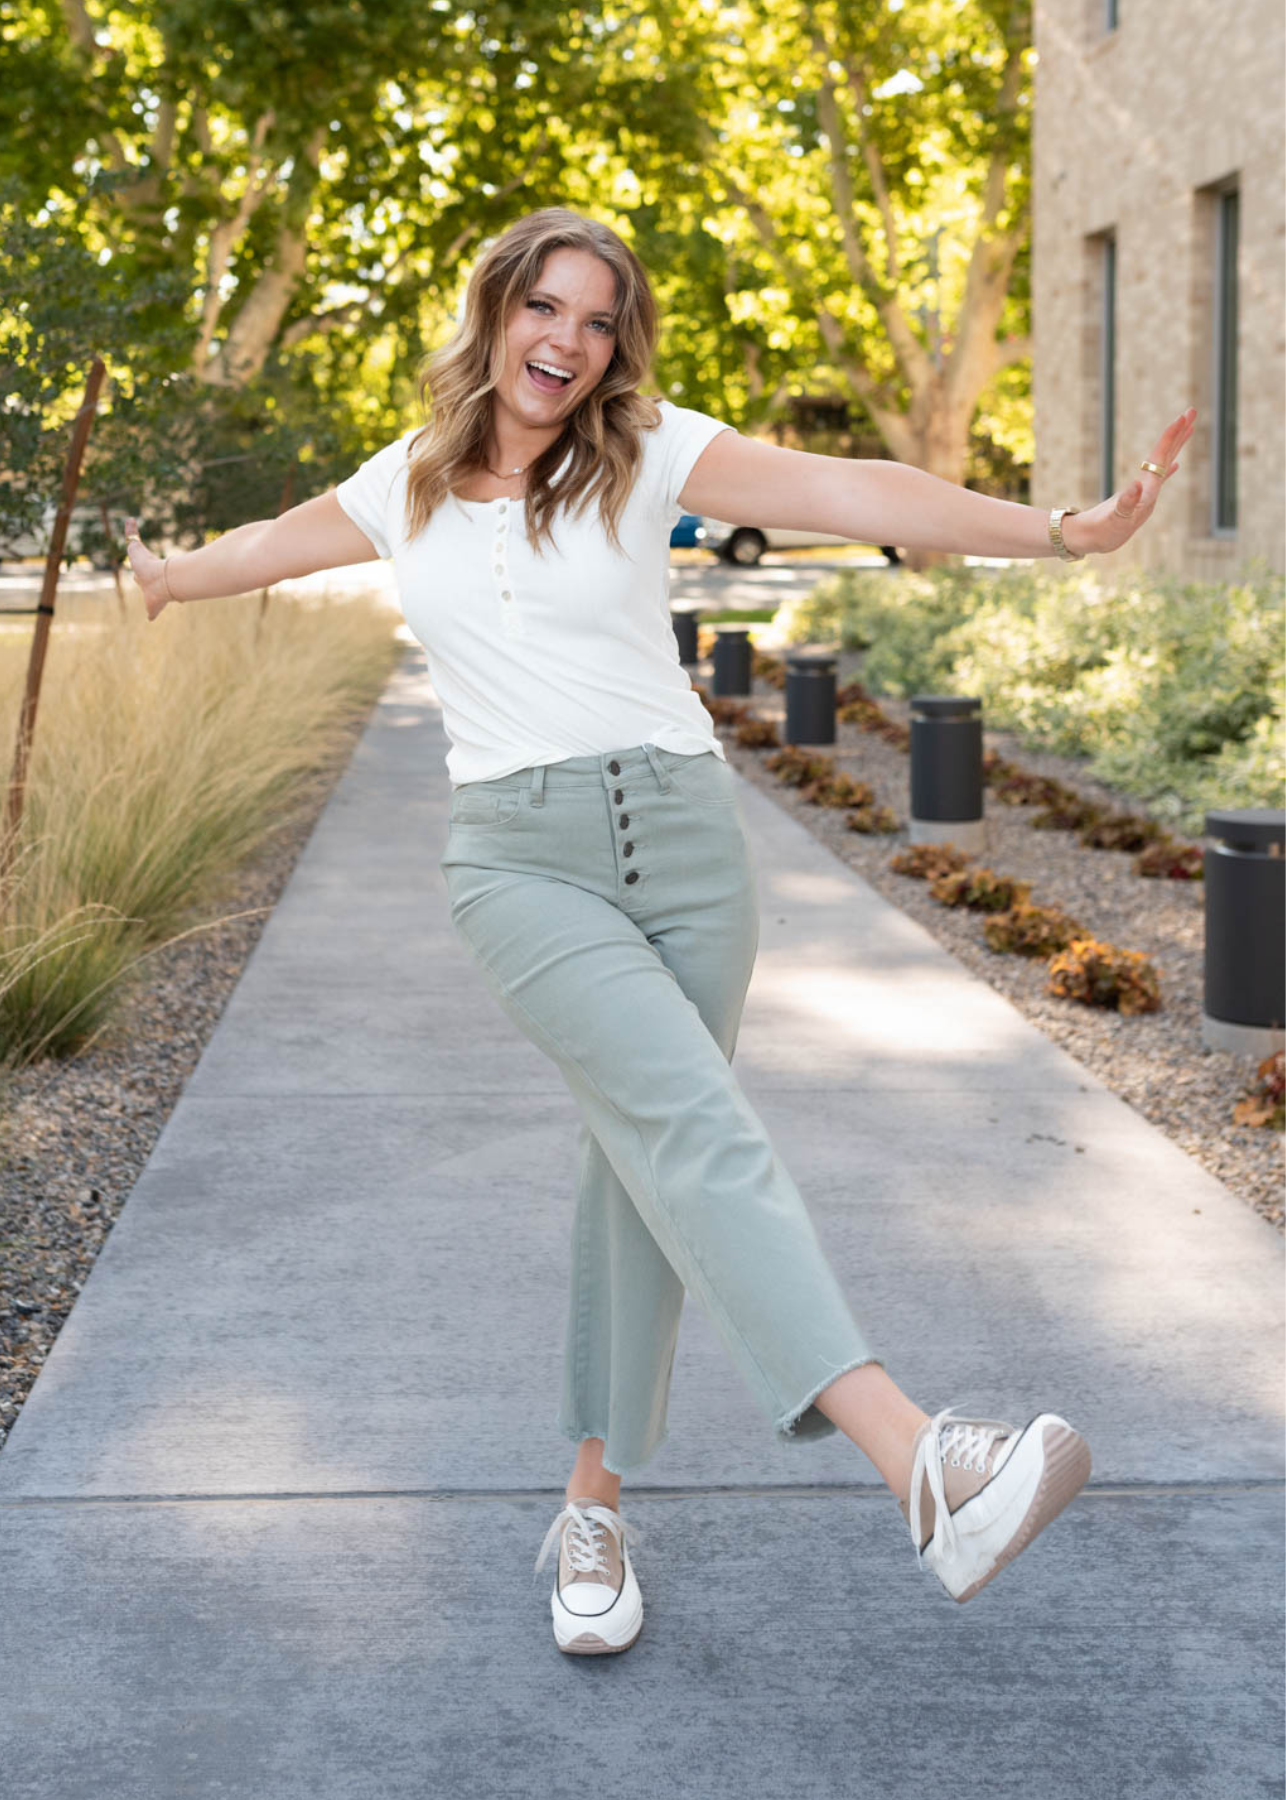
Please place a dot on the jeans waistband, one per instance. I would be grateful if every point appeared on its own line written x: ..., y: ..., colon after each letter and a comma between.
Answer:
x: 597, y: 771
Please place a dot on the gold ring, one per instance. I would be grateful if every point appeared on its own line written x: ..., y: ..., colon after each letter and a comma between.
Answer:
x: 1153, y: 468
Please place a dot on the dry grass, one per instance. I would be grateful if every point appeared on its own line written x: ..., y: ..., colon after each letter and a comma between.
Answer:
x: 164, y: 753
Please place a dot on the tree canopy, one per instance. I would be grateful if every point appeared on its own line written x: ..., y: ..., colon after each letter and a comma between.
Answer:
x: 263, y: 217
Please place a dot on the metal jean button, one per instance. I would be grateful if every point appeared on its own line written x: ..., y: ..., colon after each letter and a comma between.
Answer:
x: 632, y: 876
x: 614, y: 767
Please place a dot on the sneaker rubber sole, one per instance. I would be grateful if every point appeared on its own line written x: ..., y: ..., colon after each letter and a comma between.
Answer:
x: 1015, y: 1515
x: 572, y: 1637
x: 587, y: 1644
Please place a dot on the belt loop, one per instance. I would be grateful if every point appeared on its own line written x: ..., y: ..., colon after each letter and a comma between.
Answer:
x: 538, y: 785
x: 658, y: 769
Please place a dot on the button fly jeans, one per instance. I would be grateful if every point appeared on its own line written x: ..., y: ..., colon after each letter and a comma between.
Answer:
x: 611, y: 906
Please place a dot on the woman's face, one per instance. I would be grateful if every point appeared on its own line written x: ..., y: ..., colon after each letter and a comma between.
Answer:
x: 565, y: 320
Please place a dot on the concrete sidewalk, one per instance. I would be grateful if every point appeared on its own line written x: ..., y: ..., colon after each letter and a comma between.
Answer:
x: 268, y: 1517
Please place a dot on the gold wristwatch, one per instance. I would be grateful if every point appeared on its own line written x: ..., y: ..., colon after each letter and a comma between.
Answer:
x: 1056, y: 517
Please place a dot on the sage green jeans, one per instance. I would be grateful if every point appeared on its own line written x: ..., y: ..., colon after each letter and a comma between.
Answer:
x: 611, y: 906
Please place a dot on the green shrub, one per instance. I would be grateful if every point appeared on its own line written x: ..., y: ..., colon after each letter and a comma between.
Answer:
x: 1172, y: 689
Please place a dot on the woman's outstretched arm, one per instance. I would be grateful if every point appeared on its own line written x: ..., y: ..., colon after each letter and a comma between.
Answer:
x: 876, y: 502
x: 315, y: 535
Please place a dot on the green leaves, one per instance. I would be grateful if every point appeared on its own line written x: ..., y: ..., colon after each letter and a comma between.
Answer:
x: 1173, y: 690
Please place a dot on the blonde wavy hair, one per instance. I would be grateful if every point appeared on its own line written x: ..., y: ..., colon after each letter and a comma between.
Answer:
x: 604, y: 434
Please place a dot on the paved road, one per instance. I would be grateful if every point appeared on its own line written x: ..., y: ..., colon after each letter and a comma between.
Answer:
x: 268, y: 1517
x: 779, y: 577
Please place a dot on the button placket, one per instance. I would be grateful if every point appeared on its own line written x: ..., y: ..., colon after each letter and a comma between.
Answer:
x: 500, y: 567
x: 623, y: 823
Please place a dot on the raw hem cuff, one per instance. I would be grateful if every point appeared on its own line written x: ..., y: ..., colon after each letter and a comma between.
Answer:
x: 578, y: 1437
x: 805, y: 1422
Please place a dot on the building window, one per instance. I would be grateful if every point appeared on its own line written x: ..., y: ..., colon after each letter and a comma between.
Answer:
x: 1107, y: 368
x: 1224, y: 412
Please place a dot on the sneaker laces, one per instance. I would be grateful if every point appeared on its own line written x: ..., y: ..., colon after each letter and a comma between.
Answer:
x: 586, y: 1542
x: 969, y: 1442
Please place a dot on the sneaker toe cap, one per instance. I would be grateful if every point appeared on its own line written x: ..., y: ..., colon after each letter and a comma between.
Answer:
x: 587, y: 1599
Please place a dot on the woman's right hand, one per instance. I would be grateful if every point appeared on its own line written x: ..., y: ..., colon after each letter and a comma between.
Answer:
x: 149, y: 571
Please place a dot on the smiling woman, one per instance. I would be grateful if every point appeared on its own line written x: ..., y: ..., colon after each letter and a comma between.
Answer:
x: 542, y: 375
x: 600, y: 875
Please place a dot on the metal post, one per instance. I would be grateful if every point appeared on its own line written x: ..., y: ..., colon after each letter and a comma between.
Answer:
x: 1245, y: 989
x: 810, y: 697
x: 684, y: 620
x: 946, y: 772
x: 732, y: 664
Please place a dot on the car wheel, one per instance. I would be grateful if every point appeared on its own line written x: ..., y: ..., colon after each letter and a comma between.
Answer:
x: 745, y: 547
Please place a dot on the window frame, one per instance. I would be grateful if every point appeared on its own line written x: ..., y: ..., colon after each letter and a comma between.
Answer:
x: 1223, y: 346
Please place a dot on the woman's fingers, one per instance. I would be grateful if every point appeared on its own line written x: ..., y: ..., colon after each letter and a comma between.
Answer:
x: 1174, y: 437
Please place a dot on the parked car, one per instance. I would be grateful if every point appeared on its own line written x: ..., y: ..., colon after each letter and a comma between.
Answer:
x: 688, y: 533
x: 745, y: 544
x: 85, y: 520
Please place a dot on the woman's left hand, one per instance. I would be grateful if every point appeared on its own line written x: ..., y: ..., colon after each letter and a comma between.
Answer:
x: 1114, y: 521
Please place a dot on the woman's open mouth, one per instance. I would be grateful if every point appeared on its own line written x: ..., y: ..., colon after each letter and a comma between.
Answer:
x: 541, y: 376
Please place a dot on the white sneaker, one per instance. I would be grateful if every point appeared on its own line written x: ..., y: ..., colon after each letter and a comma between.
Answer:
x: 990, y: 1489
x: 596, y: 1602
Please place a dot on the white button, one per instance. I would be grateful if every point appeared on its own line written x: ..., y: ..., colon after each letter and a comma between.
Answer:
x: 500, y: 569
x: 506, y: 595
x: 504, y: 506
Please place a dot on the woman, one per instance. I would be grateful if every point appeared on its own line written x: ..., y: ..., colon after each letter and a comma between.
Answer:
x: 598, y: 869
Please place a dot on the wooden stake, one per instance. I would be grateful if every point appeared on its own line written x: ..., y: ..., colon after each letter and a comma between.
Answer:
x: 44, y: 613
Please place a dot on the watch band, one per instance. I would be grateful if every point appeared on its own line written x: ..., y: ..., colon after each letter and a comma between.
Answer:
x: 1056, y: 517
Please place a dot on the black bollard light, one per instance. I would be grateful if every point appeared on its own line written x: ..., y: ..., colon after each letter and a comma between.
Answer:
x: 946, y: 771
x: 1245, y: 869
x: 684, y: 620
x: 810, y: 697
x: 732, y: 663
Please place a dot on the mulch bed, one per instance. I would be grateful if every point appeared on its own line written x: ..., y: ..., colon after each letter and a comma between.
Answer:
x: 1155, y: 1061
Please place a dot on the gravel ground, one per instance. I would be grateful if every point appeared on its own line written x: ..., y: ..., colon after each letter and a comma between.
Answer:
x: 1155, y: 1061
x: 74, y: 1137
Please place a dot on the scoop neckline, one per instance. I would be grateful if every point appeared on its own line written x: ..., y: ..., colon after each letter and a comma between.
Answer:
x: 514, y: 499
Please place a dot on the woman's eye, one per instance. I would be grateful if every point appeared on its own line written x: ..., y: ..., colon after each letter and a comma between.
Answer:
x: 604, y: 324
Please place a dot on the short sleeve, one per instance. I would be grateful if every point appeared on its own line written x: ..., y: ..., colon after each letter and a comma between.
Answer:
x: 367, y: 494
x: 679, y: 440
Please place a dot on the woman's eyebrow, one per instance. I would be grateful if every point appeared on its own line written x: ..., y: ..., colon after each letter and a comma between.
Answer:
x: 544, y: 294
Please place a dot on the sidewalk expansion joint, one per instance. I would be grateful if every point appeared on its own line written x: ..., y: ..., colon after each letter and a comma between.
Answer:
x: 1108, y: 1490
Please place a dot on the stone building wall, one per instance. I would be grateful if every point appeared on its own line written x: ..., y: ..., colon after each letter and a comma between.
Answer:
x: 1135, y: 130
